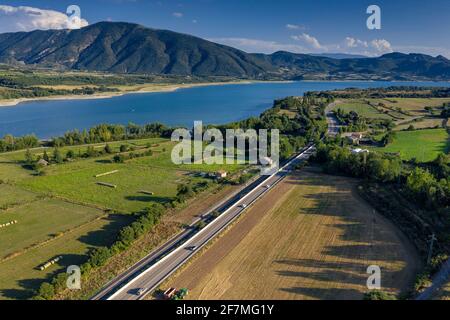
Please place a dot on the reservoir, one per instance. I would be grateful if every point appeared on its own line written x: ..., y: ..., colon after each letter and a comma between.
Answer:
x: 216, y: 104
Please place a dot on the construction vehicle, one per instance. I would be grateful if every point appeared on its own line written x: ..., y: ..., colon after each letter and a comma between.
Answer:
x: 181, y: 294
x: 170, y: 293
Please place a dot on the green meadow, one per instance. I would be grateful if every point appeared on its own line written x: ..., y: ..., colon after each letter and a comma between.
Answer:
x: 423, y: 145
x: 362, y: 108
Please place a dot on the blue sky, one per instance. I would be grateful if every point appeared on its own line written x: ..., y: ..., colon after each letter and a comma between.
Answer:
x: 310, y: 26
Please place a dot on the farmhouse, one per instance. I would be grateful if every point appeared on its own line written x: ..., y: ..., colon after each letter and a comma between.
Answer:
x: 355, y: 138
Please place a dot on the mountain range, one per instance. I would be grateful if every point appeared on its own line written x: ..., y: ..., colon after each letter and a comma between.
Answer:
x: 120, y: 47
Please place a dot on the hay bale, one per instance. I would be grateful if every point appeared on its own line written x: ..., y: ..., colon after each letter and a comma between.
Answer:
x: 7, y: 224
x: 109, y: 185
x: 147, y: 192
x: 50, y: 263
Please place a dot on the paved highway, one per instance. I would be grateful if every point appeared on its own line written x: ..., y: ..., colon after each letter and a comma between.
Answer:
x: 333, y: 123
x: 147, y: 274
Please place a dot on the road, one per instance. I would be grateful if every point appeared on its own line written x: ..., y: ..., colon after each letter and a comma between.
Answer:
x: 147, y: 274
x: 333, y: 122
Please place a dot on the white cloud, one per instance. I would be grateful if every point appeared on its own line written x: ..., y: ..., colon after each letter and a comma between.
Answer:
x: 309, y: 40
x: 292, y: 26
x: 259, y: 46
x: 381, y: 46
x: 375, y: 47
x: 177, y: 14
x: 22, y: 18
x: 355, y: 43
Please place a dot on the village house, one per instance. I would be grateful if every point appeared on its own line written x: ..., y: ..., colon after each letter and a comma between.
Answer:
x: 355, y: 138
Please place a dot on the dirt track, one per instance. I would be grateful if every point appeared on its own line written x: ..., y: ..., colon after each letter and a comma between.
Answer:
x: 312, y: 237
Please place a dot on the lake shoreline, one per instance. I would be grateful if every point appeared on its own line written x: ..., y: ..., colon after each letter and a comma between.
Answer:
x: 109, y: 95
x: 161, y: 88
x: 214, y: 104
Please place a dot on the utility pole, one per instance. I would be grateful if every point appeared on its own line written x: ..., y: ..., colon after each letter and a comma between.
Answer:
x: 430, y: 252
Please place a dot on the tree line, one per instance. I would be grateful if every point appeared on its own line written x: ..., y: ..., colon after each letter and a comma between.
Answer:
x: 427, y: 185
x: 145, y: 220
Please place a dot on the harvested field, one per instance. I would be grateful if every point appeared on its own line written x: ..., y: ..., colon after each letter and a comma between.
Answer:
x: 415, y: 106
x: 422, y: 123
x: 443, y: 293
x: 311, y: 237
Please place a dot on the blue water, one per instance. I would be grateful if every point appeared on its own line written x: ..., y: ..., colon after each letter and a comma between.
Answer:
x: 212, y: 105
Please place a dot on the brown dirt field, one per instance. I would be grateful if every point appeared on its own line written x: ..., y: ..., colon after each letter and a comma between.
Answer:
x: 311, y: 237
x: 443, y: 293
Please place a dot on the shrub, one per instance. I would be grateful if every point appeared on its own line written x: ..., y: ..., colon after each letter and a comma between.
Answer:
x: 118, y: 158
x: 108, y: 149
x: 99, y: 256
x: 378, y: 295
x: 57, y: 157
x: 70, y: 154
x: 422, y: 281
x: 46, y: 291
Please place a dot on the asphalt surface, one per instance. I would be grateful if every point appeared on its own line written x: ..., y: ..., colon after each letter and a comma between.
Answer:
x: 439, y: 280
x: 151, y: 271
x: 333, y: 122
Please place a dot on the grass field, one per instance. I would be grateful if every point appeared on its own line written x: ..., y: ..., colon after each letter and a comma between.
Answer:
x: 154, y: 173
x: 20, y: 276
x: 416, y: 106
x: 312, y: 237
x: 81, y: 185
x: 362, y: 108
x: 39, y: 221
x: 424, y: 145
x: 156, y: 143
x: 12, y: 196
x: 422, y: 123
x: 400, y: 110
